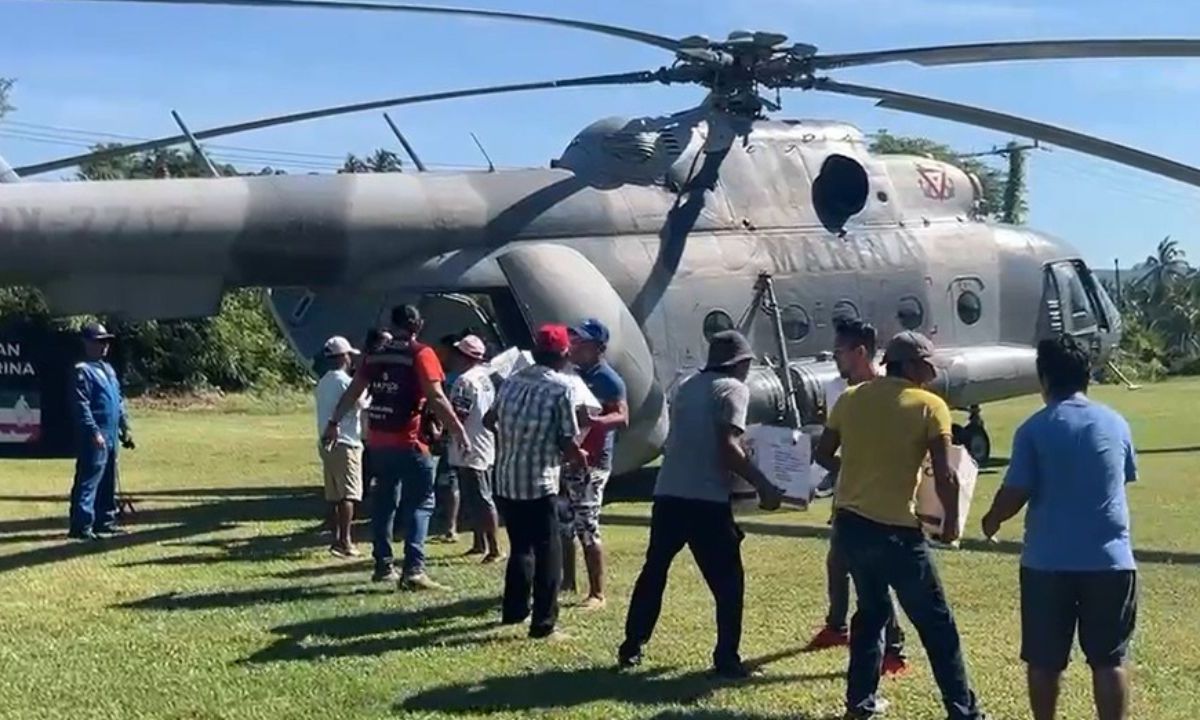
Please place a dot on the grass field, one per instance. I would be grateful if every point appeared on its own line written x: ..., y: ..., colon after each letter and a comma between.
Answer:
x: 225, y: 604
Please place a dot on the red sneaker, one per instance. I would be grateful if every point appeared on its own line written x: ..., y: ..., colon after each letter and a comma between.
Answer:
x: 894, y: 666
x: 829, y: 638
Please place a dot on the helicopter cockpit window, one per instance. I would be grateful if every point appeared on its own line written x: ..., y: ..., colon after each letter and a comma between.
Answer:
x: 910, y: 313
x: 844, y: 310
x: 970, y: 307
x: 796, y: 324
x: 1074, y: 297
x: 715, y: 322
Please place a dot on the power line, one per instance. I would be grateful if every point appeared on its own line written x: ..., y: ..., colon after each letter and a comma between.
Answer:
x: 71, y: 137
x: 119, y: 136
x: 229, y: 157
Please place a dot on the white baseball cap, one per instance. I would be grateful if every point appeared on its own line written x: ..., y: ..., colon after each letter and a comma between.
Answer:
x: 338, y: 345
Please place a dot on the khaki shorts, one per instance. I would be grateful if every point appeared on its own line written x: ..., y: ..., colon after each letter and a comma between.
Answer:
x: 343, y: 473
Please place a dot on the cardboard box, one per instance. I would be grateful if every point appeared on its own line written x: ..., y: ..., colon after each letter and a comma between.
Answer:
x: 929, y: 507
x: 784, y: 455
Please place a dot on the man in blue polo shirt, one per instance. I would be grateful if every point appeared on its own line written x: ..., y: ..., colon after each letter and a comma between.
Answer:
x: 1070, y: 463
x: 585, y: 486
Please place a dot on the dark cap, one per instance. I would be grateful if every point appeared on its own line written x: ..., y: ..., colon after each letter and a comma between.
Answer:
x: 591, y: 330
x: 406, y: 316
x: 908, y: 346
x: 726, y: 349
x: 96, y: 332
x: 553, y: 339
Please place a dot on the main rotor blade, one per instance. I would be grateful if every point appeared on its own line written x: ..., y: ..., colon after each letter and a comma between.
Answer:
x: 1025, y: 50
x: 619, y: 79
x: 1018, y: 126
x: 659, y: 41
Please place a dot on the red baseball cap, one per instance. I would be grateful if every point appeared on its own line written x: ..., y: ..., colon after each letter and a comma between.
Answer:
x: 553, y: 338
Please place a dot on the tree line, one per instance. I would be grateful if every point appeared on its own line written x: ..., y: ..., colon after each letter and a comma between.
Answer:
x: 1160, y: 309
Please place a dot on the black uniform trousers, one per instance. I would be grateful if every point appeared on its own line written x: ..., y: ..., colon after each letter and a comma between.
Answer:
x: 534, y: 562
x: 709, y: 531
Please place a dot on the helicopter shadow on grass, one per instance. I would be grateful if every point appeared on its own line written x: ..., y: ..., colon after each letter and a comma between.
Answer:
x: 968, y: 544
x: 215, y: 510
x: 562, y: 690
x: 371, y: 634
x: 235, y: 599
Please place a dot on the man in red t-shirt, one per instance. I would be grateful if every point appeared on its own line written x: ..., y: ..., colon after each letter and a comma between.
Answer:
x: 404, y: 378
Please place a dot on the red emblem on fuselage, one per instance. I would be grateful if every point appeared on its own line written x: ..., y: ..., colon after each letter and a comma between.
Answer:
x: 935, y: 182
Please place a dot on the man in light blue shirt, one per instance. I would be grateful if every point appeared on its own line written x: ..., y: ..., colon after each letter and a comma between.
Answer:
x: 341, y: 460
x: 1070, y: 463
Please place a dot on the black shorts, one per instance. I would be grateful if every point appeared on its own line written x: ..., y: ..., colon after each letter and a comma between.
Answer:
x: 1103, y: 605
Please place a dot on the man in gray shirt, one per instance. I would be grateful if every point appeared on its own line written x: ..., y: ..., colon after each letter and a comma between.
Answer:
x: 691, y: 502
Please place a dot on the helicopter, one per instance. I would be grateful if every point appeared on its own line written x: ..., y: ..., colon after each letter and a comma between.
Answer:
x: 668, y: 229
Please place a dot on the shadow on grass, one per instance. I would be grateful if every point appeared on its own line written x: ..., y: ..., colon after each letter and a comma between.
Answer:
x: 245, y: 598
x: 341, y: 568
x: 438, y: 626
x: 1170, y: 450
x: 730, y: 715
x: 70, y: 550
x: 560, y: 690
x: 224, y: 511
x: 1006, y: 547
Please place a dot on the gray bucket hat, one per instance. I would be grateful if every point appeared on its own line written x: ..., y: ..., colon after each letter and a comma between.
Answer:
x: 726, y: 349
x: 908, y: 346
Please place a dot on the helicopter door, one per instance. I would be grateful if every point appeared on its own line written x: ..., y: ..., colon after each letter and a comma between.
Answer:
x: 452, y: 313
x: 1073, y: 305
x: 554, y: 283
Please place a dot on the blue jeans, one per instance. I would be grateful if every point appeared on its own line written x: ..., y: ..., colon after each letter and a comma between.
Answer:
x: 94, y: 492
x: 404, y: 484
x: 880, y: 556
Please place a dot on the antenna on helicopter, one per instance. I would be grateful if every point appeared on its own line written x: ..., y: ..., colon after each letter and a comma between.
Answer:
x: 491, y: 165
x: 404, y: 142
x: 212, y: 169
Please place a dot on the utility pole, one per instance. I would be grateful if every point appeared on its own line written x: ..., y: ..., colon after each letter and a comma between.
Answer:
x: 1013, y: 207
x: 1120, y: 290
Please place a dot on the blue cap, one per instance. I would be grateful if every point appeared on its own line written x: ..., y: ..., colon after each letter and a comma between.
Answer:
x: 95, y: 331
x: 592, y: 330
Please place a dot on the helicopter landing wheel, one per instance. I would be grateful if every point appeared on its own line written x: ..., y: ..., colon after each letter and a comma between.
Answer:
x: 974, y: 438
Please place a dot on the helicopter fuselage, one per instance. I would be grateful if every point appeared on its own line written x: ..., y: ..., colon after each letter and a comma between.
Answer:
x: 658, y: 226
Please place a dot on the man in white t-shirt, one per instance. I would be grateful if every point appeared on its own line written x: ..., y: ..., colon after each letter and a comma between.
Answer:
x: 472, y: 395
x: 341, y: 460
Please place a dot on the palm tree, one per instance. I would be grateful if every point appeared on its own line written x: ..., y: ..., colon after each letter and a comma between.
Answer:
x: 384, y: 161
x: 380, y: 161
x: 1163, y: 269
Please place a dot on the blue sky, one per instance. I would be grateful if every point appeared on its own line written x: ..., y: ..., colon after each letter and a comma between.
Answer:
x: 108, y: 68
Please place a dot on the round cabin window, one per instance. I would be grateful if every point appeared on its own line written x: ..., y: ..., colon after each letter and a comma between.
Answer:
x: 795, y: 323
x: 844, y: 311
x: 970, y: 307
x: 715, y: 322
x: 910, y: 313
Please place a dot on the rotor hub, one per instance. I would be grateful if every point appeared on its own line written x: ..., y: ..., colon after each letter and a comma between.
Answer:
x: 736, y: 69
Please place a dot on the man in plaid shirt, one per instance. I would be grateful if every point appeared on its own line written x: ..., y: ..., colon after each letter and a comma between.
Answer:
x: 535, y: 425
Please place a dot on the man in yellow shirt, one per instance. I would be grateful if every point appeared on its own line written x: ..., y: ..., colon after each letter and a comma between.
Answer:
x: 884, y: 429
x: 854, y: 353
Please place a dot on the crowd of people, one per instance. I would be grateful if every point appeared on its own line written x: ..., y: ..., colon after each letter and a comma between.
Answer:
x: 436, y: 420
x: 530, y: 450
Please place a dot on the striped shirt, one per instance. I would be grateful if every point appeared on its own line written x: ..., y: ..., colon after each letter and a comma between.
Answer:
x: 534, y: 413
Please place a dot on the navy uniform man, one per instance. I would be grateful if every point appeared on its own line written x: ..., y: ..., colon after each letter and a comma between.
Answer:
x: 100, y: 423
